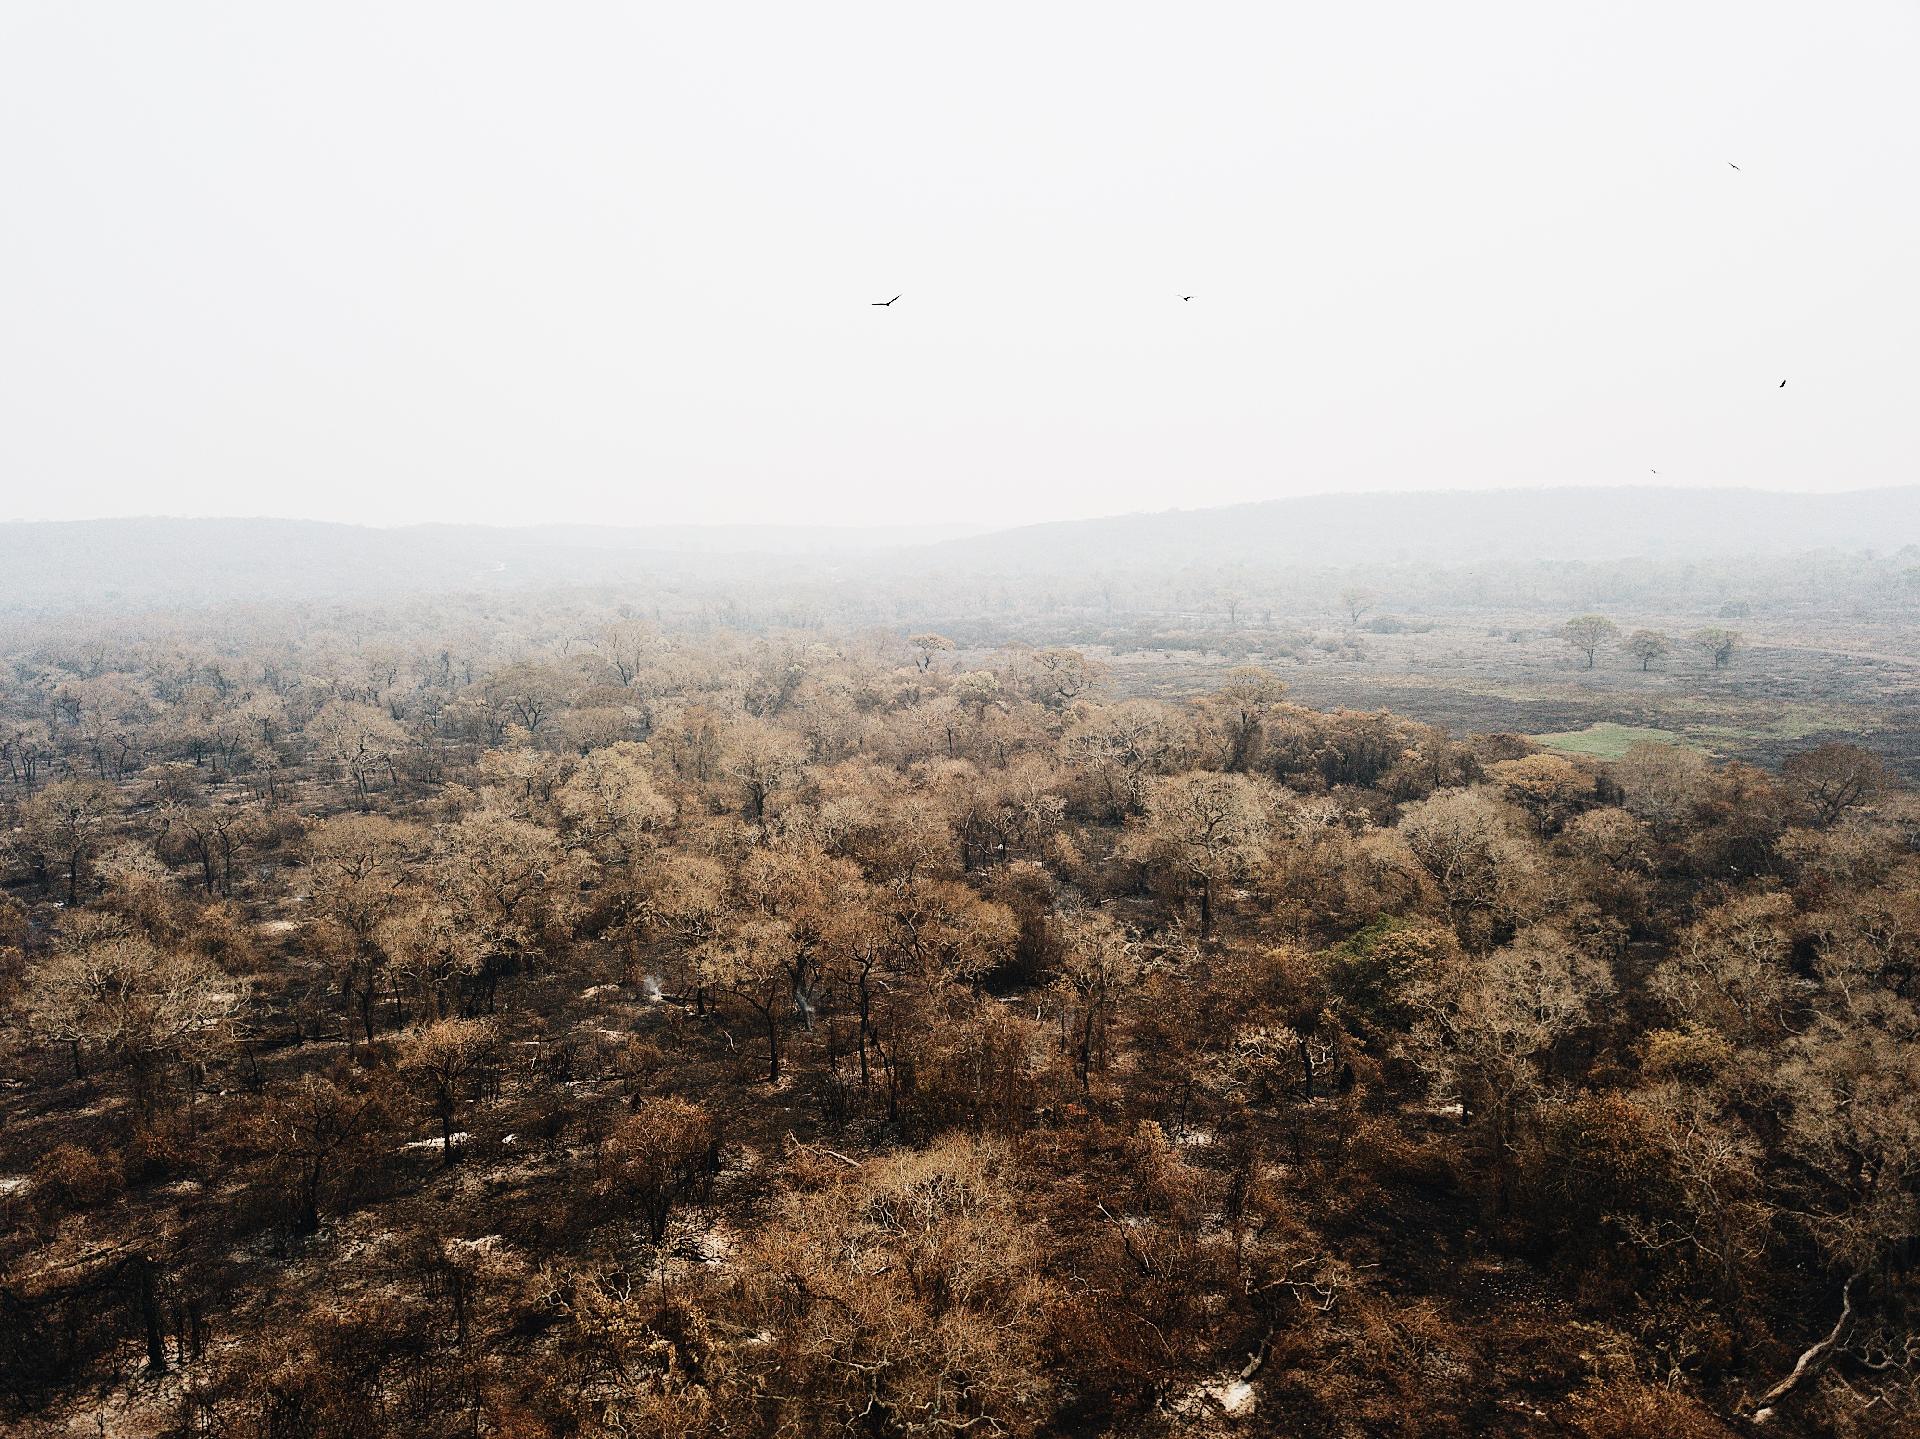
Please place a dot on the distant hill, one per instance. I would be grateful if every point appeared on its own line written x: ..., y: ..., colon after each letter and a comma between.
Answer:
x: 1461, y: 527
x: 837, y: 540
x: 201, y: 561
x: 198, y: 561
x: 195, y: 561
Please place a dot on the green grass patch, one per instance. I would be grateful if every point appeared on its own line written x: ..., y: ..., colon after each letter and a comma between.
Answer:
x: 1789, y: 722
x: 1606, y: 740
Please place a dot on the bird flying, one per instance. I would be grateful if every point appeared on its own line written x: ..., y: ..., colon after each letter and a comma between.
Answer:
x: 1186, y: 297
x: 882, y: 304
x: 1732, y: 166
x: 1783, y: 384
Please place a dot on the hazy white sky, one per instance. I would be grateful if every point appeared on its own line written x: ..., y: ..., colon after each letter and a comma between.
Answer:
x: 613, y: 262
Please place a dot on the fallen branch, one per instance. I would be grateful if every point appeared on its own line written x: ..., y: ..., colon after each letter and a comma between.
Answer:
x: 1141, y: 1260
x: 1817, y: 1358
x: 830, y: 1153
x: 1259, y: 1358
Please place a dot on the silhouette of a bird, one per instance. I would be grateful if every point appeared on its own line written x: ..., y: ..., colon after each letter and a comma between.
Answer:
x: 882, y: 304
x: 1783, y: 384
x: 1186, y: 297
x: 1732, y: 166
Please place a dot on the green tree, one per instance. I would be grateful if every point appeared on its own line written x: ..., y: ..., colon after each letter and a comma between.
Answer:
x: 1717, y: 644
x: 1648, y: 646
x: 1587, y: 633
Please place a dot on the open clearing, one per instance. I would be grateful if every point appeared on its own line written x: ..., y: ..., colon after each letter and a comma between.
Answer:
x: 1796, y: 682
x: 1605, y: 741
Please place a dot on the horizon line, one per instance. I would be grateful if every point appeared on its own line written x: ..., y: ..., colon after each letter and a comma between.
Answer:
x: 975, y: 527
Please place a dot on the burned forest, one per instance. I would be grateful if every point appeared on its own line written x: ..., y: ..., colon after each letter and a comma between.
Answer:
x: 469, y: 1017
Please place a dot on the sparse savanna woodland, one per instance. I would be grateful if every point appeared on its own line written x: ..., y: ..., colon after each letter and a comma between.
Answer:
x: 472, y: 1019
